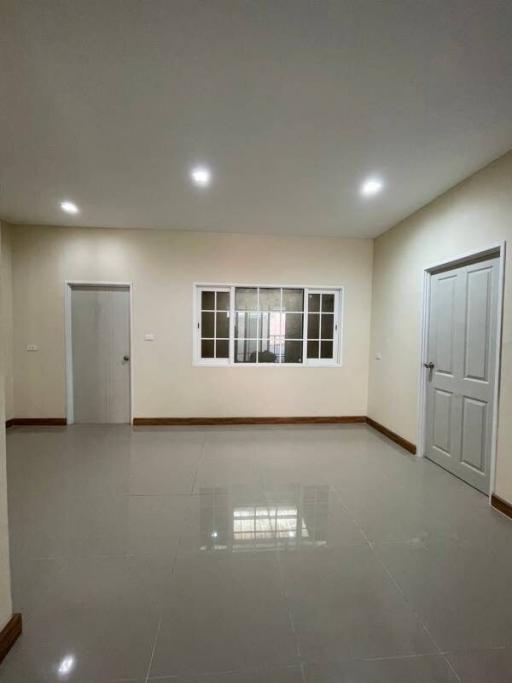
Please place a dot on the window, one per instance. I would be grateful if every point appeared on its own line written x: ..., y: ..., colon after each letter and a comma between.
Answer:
x: 321, y: 324
x: 269, y: 325
x: 214, y: 324
x: 262, y: 325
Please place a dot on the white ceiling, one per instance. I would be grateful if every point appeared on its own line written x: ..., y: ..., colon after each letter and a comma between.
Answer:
x: 291, y: 102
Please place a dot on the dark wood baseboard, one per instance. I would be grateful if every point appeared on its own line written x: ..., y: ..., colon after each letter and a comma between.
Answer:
x: 10, y: 634
x: 216, y: 421
x: 220, y: 421
x: 37, y: 422
x: 501, y: 505
x: 392, y: 435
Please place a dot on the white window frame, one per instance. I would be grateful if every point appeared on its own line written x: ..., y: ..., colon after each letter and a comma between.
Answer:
x: 199, y: 289
x: 336, y: 351
x: 339, y: 300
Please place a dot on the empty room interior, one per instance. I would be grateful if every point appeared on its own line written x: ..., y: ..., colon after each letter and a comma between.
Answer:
x: 255, y: 341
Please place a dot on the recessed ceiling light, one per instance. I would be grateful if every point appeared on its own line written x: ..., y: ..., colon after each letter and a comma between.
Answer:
x: 201, y: 176
x: 371, y: 187
x: 69, y: 207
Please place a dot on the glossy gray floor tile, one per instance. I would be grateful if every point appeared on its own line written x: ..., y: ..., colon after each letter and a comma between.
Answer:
x: 95, y: 645
x: 487, y: 666
x: 248, y: 555
x: 343, y: 604
x: 421, y: 669
x: 463, y: 594
x: 224, y: 613
x: 290, y: 674
x: 116, y: 525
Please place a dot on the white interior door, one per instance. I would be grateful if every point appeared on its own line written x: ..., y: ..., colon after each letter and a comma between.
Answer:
x: 100, y: 340
x: 460, y: 379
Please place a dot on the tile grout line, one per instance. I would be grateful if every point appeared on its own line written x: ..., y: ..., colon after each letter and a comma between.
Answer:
x: 160, y: 618
x: 153, y: 649
x: 200, y: 460
x: 421, y: 621
x: 291, y: 620
x: 282, y: 582
x: 451, y: 667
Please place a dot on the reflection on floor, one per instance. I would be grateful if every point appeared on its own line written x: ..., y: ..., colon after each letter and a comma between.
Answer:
x: 296, y: 516
x: 253, y: 555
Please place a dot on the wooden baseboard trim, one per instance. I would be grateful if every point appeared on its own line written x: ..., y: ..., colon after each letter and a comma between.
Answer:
x: 217, y: 421
x: 37, y: 422
x: 392, y: 435
x: 10, y: 634
x: 501, y: 505
x: 224, y: 421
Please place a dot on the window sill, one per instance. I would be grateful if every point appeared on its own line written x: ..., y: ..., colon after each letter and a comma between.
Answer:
x: 228, y: 364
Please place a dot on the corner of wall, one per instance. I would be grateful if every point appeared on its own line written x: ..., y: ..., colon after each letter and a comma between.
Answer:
x: 6, y: 317
x: 5, y: 581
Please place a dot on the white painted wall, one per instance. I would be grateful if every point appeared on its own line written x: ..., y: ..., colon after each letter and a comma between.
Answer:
x: 5, y: 581
x: 473, y: 215
x: 163, y: 266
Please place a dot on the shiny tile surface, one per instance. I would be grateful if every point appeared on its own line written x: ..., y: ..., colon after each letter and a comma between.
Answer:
x: 417, y: 669
x: 483, y: 666
x: 248, y: 555
x: 290, y: 674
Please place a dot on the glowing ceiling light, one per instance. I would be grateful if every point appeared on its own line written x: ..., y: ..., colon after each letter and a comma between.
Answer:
x: 69, y: 207
x: 201, y: 176
x: 371, y: 187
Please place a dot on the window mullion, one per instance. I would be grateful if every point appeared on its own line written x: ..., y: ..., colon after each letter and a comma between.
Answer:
x: 197, y: 323
x: 258, y: 325
x: 231, y: 325
x: 305, y: 309
x: 337, y: 331
x: 215, y: 326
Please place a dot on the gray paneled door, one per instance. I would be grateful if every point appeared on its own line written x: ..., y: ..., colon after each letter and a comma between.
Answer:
x: 100, y: 336
x: 460, y: 382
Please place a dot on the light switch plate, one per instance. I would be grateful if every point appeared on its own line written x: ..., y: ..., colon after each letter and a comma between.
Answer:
x: 378, y: 355
x: 32, y: 347
x: 149, y: 337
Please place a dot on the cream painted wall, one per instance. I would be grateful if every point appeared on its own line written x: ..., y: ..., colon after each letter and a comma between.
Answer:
x: 472, y: 216
x: 163, y: 266
x: 6, y: 319
x: 5, y: 582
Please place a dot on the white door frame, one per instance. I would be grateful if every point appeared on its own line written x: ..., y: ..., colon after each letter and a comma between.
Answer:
x: 68, y: 286
x: 495, y: 249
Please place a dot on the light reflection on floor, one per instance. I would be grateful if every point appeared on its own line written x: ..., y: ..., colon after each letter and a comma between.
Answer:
x: 294, y: 516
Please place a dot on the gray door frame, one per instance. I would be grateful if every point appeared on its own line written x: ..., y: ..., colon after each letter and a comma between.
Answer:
x: 496, y: 249
x: 68, y: 286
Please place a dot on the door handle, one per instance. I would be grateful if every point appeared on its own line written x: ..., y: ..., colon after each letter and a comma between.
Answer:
x: 429, y: 366
x: 126, y: 358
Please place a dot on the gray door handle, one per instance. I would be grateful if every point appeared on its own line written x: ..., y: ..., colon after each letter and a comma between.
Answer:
x: 430, y: 365
x: 126, y: 358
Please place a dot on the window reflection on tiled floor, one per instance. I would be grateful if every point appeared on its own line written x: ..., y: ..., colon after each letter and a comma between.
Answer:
x: 286, y: 554
x: 297, y: 517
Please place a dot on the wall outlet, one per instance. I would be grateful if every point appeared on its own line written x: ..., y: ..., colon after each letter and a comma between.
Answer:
x: 149, y: 337
x: 378, y: 355
x: 32, y: 347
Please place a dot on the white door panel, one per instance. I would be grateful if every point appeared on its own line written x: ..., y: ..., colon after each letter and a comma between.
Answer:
x: 100, y: 334
x: 460, y: 386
